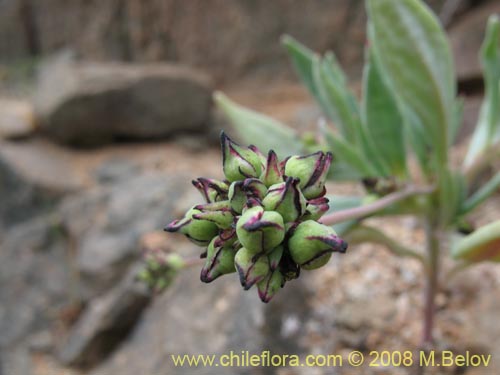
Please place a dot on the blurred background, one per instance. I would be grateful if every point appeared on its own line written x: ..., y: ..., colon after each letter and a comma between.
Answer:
x: 105, y: 118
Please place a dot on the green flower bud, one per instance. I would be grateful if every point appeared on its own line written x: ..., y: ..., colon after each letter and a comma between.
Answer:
x: 160, y: 269
x: 272, y: 174
x: 316, y: 208
x: 237, y: 196
x: 198, y: 231
x: 286, y: 199
x: 260, y: 230
x: 239, y: 162
x: 311, y: 170
x: 217, y: 212
x: 311, y: 244
x: 241, y: 191
x: 226, y: 238
x: 251, y: 267
x: 212, y: 190
x: 220, y: 261
x: 268, y: 287
x: 275, y: 257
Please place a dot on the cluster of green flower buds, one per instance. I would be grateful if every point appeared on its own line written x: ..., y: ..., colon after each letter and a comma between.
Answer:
x: 261, y: 221
x: 160, y: 269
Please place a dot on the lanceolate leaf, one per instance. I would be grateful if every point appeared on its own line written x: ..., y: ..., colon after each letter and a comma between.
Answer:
x: 413, y: 53
x: 338, y: 102
x: 415, y: 136
x: 345, y: 153
x: 258, y: 129
x: 482, y: 194
x: 452, y: 194
x: 302, y: 61
x: 488, y: 126
x: 383, y: 121
x: 481, y: 245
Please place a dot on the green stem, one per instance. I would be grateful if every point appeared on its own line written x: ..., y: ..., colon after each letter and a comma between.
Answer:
x: 431, y: 233
x: 369, y: 209
x: 369, y: 234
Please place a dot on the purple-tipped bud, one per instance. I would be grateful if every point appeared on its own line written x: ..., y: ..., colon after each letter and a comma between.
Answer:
x: 268, y: 287
x: 272, y: 174
x: 251, y: 267
x: 260, y: 155
x: 199, y: 231
x: 316, y: 208
x: 311, y: 170
x: 212, y: 190
x: 239, y: 162
x: 275, y: 257
x: 217, y: 212
x: 226, y: 238
x: 312, y: 244
x: 220, y: 261
x: 286, y: 199
x: 241, y: 191
x: 260, y: 230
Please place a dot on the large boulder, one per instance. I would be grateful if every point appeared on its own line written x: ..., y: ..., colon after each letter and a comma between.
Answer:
x: 95, y: 103
x: 227, y: 39
x: 16, y: 119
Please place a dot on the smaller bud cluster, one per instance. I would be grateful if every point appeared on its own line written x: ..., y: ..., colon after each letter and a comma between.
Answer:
x: 261, y: 221
x: 160, y: 269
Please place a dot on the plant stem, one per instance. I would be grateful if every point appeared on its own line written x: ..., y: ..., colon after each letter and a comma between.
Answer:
x: 431, y: 233
x: 369, y: 209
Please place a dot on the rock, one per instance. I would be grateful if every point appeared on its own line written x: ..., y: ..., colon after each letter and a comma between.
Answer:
x: 106, y: 224
x: 19, y: 198
x: 173, y: 30
x: 36, y: 278
x: 105, y: 322
x: 16, y: 119
x: 16, y: 362
x: 196, y: 318
x: 41, y: 164
x: 115, y: 170
x: 88, y: 104
x: 191, y: 318
x: 41, y: 342
x: 466, y: 37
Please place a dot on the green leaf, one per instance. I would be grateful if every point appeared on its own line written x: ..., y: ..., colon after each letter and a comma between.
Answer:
x: 451, y: 195
x: 301, y: 57
x: 482, y: 194
x: 481, y: 245
x: 414, y: 134
x: 336, y: 100
x: 383, y: 121
x: 488, y: 127
x: 258, y: 129
x: 412, y: 51
x: 346, y: 153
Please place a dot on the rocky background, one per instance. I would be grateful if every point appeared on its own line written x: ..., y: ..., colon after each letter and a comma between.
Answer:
x: 106, y: 116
